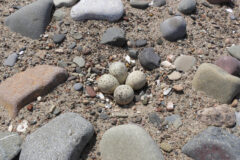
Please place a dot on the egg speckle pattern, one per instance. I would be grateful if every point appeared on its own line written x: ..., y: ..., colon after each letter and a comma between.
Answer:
x: 107, y: 83
x: 136, y: 80
x: 118, y: 70
x: 123, y: 94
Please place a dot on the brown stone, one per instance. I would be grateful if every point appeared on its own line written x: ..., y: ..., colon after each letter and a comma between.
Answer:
x: 221, y: 115
x: 90, y: 91
x: 24, y: 87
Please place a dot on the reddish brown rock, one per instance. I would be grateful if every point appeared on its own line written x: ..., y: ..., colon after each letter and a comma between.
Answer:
x: 219, y: 1
x: 229, y: 64
x: 221, y: 115
x: 90, y: 91
x: 24, y: 87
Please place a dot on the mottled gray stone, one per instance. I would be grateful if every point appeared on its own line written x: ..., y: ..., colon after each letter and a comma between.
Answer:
x: 173, y: 28
x: 129, y: 142
x: 59, y: 15
x: 133, y: 53
x: 149, y: 59
x: 184, y: 63
x: 114, y: 36
x: 158, y: 3
x: 63, y: 138
x: 187, y: 6
x: 79, y: 61
x: 174, y: 120
x: 141, y: 43
x: 140, y: 4
x: 31, y: 20
x: 58, y: 38
x: 78, y: 86
x: 234, y: 51
x: 10, y: 145
x: 213, y: 144
x: 11, y: 60
x: 154, y: 119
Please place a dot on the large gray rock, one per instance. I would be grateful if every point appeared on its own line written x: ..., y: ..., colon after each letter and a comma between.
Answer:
x: 31, y: 20
x: 10, y: 145
x: 213, y: 144
x: 187, y: 6
x: 215, y: 82
x: 173, y: 28
x: 114, y: 36
x: 98, y: 9
x: 149, y: 59
x: 234, y: 51
x: 129, y: 142
x: 63, y: 138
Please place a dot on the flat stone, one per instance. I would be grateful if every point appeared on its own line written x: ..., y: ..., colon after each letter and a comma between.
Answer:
x: 133, y: 53
x: 174, y: 76
x: 98, y: 10
x: 184, y: 63
x: 217, y: 83
x: 11, y: 60
x: 114, y: 36
x: 234, y: 51
x: 79, y: 61
x: 58, y: 38
x: 158, y: 3
x: 229, y: 64
x: 62, y: 138
x: 90, y: 91
x: 66, y: 3
x: 173, y: 28
x: 77, y: 36
x: 154, y: 119
x: 141, y: 43
x: 213, y: 144
x: 128, y: 142
x: 78, y: 86
x: 149, y: 59
x: 174, y: 120
x: 219, y: 116
x: 187, y: 6
x: 31, y: 20
x: 24, y: 87
x: 59, y: 15
x: 219, y: 1
x: 10, y: 145
x: 140, y: 4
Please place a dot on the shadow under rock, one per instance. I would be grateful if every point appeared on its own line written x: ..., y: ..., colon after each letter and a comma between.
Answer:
x: 88, y: 148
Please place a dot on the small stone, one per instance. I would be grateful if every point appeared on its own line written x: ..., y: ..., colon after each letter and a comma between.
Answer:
x: 136, y: 80
x: 174, y: 120
x: 56, y: 111
x: 159, y: 41
x: 234, y: 51
x: 90, y: 91
x: 77, y: 36
x: 123, y: 94
x: 114, y: 36
x: 141, y: 43
x: 72, y: 45
x: 154, y: 119
x: 173, y: 28
x: 174, y: 76
x: 119, y: 71
x: 149, y: 59
x: 59, y: 15
x: 107, y: 83
x: 158, y: 3
x: 59, y: 38
x: 133, y: 53
x: 140, y: 4
x: 218, y: 116
x: 22, y: 127
x: 187, y: 6
x: 97, y: 10
x: 79, y: 61
x: 213, y: 143
x: 167, y: 91
x: 78, y: 86
x: 178, y: 88
x: 145, y: 100
x: 11, y: 60
x: 166, y: 147
x: 30, y: 107
x: 234, y: 103
x: 103, y: 116
x: 184, y: 63
x: 229, y: 64
x: 170, y: 106
x: 66, y: 3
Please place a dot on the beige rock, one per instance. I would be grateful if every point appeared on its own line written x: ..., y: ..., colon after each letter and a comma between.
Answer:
x: 217, y: 83
x: 24, y: 87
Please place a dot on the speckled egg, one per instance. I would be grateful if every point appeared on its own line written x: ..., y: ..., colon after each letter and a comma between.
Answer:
x: 118, y: 70
x: 123, y: 94
x: 136, y: 80
x: 107, y: 83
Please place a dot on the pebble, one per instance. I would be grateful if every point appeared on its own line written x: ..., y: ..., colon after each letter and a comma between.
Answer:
x: 167, y: 91
x: 174, y: 76
x: 98, y: 10
x: 187, y: 6
x: 149, y: 59
x: 119, y: 71
x: 59, y: 15
x: 66, y: 3
x: 178, y: 88
x: 229, y: 64
x: 141, y: 43
x: 11, y: 60
x: 184, y: 63
x: 167, y: 64
x: 26, y: 22
x: 219, y: 116
x: 140, y: 4
x: 56, y: 111
x: 79, y: 61
x: 234, y: 103
x: 123, y: 94
x: 128, y: 142
x: 72, y: 45
x: 136, y: 80
x: 173, y: 28
x: 22, y: 127
x: 214, y: 143
x: 234, y: 51
x: 170, y: 106
x: 166, y: 147
x: 114, y: 36
x: 154, y: 119
x: 174, y: 120
x: 69, y: 132
x: 77, y: 36
x: 90, y: 91
x: 78, y: 86
x: 103, y: 116
x: 133, y: 53
x: 58, y: 38
x: 158, y: 3
x: 10, y: 145
x: 216, y: 83
x: 107, y: 83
